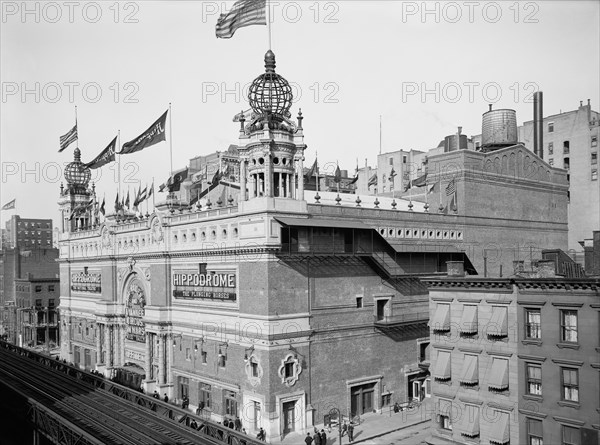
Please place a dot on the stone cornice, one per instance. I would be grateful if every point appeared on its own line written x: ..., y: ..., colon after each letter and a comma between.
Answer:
x: 504, y: 285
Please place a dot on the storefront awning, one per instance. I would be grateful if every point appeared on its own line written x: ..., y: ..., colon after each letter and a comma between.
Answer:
x: 443, y: 367
x: 499, y: 375
x: 500, y: 433
x: 468, y: 321
x: 498, y: 326
x: 312, y: 222
x: 470, y: 374
x: 441, y: 318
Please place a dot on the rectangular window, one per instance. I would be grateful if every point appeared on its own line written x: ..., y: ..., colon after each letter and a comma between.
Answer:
x: 551, y: 162
x: 594, y: 141
x: 391, y: 161
x: 550, y: 127
x: 534, y: 432
x: 550, y: 148
x: 204, y: 395
x: 534, y: 379
x: 38, y: 288
x: 594, y: 175
x: 231, y: 405
x: 570, y: 384
x: 38, y: 303
x: 404, y: 159
x: 566, y: 147
x: 289, y: 370
x: 221, y: 361
x: 445, y: 422
x: 386, y: 400
x: 254, y: 367
x: 533, y: 324
x: 570, y: 435
x: 568, y: 326
x: 359, y: 302
x: 188, y: 354
x: 204, y: 355
x: 51, y: 288
x: 594, y: 158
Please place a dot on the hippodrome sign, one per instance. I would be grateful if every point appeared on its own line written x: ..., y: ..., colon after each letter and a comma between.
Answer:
x: 86, y: 282
x: 206, y: 286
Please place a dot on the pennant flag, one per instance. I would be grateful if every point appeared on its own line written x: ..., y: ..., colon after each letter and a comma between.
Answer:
x: 372, y: 180
x: 392, y: 175
x: 81, y: 208
x: 126, y: 204
x: 174, y: 182
x: 338, y: 175
x: 102, y: 209
x: 67, y: 138
x: 451, y: 188
x: 10, y: 205
x: 243, y: 13
x: 354, y: 180
x: 153, y: 135
x: 419, y: 182
x: 117, y: 204
x: 162, y: 187
x: 312, y: 170
x: 107, y: 155
x: 150, y: 190
x: 216, y: 178
x: 141, y: 196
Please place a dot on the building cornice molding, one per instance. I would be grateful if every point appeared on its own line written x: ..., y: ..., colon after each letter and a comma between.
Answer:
x: 535, y: 358
x: 567, y: 362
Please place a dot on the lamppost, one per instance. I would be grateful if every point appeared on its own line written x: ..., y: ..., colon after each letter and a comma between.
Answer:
x: 339, y: 417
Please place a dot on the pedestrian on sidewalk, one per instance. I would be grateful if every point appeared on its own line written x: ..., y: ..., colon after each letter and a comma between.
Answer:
x: 317, y: 438
x: 344, y: 428
x: 323, y: 438
x: 308, y: 440
x: 351, y: 432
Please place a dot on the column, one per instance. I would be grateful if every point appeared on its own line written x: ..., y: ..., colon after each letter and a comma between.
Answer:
x: 148, y: 358
x: 281, y: 193
x: 107, y: 348
x: 161, y: 359
x: 98, y: 344
x: 123, y: 330
x: 300, y: 176
x: 268, y: 176
x: 169, y: 362
x: 243, y: 180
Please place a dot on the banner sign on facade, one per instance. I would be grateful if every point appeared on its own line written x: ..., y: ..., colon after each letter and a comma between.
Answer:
x: 86, y: 282
x: 220, y: 285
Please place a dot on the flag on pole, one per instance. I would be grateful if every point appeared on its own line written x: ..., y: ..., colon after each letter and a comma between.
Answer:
x: 337, y: 177
x: 392, y: 175
x: 102, y: 209
x: 117, y: 203
x: 153, y: 135
x: 372, y: 180
x: 150, y: 190
x: 451, y: 188
x: 127, y: 200
x: 10, y: 205
x: 421, y: 181
x: 68, y: 138
x: 107, y: 155
x: 312, y: 170
x: 243, y: 13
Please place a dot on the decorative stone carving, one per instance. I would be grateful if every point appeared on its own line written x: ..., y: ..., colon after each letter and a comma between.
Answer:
x: 157, y: 232
x: 105, y: 235
x: 254, y: 379
x: 294, y: 362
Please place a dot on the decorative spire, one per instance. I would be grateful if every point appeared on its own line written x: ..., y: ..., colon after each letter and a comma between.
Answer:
x: 300, y: 119
x: 270, y: 62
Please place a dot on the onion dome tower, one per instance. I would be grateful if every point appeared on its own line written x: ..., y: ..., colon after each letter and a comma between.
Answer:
x: 271, y: 146
x: 76, y: 199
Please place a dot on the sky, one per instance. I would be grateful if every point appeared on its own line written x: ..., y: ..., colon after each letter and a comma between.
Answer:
x: 419, y: 68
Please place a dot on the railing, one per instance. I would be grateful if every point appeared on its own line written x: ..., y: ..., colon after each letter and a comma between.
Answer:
x: 410, y: 317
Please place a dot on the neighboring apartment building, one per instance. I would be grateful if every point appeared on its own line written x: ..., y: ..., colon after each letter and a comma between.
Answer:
x: 515, y: 360
x: 28, y: 233
x: 571, y: 142
x: 36, y: 312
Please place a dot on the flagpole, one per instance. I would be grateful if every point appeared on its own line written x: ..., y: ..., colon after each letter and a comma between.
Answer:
x: 119, y: 163
x: 76, y: 126
x: 268, y: 21
x: 380, y: 134
x: 317, y: 170
x: 171, y: 138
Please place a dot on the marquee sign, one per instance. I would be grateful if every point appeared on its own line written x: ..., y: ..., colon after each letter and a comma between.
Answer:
x: 215, y: 285
x: 86, y: 282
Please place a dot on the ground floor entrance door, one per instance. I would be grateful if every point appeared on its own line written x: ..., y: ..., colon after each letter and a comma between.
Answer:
x: 256, y: 412
x: 289, y: 418
x: 362, y: 399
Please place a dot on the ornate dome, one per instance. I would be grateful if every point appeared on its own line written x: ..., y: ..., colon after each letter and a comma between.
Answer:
x: 270, y: 94
x: 77, y: 174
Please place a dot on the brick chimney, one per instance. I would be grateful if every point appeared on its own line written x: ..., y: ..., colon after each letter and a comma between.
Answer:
x: 591, y: 249
x: 546, y: 269
x: 455, y: 268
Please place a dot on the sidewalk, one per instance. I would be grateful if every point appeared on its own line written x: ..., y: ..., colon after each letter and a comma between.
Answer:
x: 372, y: 426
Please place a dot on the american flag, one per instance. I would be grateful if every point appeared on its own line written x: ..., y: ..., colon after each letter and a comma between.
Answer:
x: 68, y: 138
x: 243, y: 13
x: 451, y: 188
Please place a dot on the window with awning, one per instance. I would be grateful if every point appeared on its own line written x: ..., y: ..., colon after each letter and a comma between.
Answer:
x: 498, y: 326
x: 500, y: 431
x: 442, y: 369
x: 498, y: 375
x: 441, y: 318
x: 470, y: 374
x: 444, y: 414
x: 468, y: 321
x: 469, y: 421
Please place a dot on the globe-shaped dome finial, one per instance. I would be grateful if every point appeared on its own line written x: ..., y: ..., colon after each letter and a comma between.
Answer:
x: 270, y: 94
x: 77, y: 174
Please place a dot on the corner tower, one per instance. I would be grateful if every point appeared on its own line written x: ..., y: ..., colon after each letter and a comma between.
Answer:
x: 271, y: 145
x: 76, y: 199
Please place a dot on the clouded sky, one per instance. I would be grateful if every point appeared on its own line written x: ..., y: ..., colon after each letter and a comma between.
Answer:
x: 426, y: 68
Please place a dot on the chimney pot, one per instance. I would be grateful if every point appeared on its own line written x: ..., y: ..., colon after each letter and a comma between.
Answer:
x: 459, y: 130
x: 490, y: 107
x: 581, y: 103
x: 588, y: 102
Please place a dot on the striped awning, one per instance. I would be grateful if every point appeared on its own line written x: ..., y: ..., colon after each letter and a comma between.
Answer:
x: 498, y: 326
x: 470, y: 374
x: 442, y: 369
x: 468, y: 321
x: 441, y: 318
x: 500, y: 432
x: 499, y: 375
